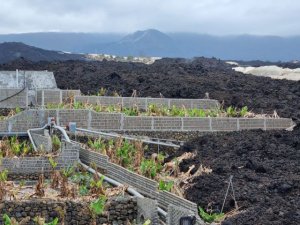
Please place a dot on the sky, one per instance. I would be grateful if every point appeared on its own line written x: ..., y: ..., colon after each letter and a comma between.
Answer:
x: 217, y: 17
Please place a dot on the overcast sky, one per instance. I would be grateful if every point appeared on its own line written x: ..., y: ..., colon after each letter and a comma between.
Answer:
x: 272, y: 17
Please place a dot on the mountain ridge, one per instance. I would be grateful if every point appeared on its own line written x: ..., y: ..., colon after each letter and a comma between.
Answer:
x: 10, y: 51
x: 152, y: 42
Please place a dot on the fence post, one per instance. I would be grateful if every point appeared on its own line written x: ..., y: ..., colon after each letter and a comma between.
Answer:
x: 43, y: 98
x: 210, y: 124
x: 265, y: 124
x: 26, y: 93
x: 238, y: 124
x: 89, y: 119
x: 152, y: 123
x: 122, y: 122
x: 57, y: 117
x: 60, y: 96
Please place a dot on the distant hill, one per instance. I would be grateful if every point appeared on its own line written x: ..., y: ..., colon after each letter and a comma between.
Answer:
x: 144, y: 43
x: 10, y: 51
x: 155, y: 43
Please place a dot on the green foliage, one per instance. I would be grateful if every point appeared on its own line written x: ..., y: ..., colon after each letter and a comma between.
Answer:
x: 97, y: 183
x: 97, y: 206
x: 78, y: 105
x: 231, y: 111
x: 131, y: 111
x: 147, y: 222
x: 53, y: 222
x: 7, y: 220
x: 68, y: 172
x: 150, y: 168
x: 97, y: 145
x: 244, y: 111
x: 18, y: 110
x: 126, y: 153
x: 3, y: 175
x: 56, y: 143
x: 165, y: 185
x: 83, y: 190
x: 41, y: 221
x: 52, y: 162
x: 102, y: 92
x: 82, y: 178
x: 209, y: 218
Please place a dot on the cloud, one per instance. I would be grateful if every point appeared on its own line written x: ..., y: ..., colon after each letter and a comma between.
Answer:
x: 274, y: 17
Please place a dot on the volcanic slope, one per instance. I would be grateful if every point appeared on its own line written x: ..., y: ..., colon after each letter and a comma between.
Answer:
x: 178, y: 78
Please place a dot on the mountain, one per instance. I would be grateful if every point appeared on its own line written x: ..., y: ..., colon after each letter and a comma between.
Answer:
x: 144, y: 43
x: 60, y: 41
x: 10, y: 51
x: 155, y: 43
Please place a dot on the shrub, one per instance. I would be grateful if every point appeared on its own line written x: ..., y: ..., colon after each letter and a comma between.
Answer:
x: 165, y: 185
x: 209, y: 218
x: 56, y: 143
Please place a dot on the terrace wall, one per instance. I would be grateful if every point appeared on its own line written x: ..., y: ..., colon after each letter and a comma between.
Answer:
x: 119, y: 122
x: 55, y: 96
x: 119, y: 210
x: 68, y: 156
x: 142, y: 184
x: 143, y: 103
x: 13, y: 97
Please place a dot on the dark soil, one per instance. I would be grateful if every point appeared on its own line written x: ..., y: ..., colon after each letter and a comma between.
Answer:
x: 266, y: 175
x: 178, y: 78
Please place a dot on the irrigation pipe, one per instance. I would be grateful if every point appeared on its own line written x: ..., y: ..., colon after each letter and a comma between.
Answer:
x: 116, y: 183
x: 35, y: 129
x: 128, y: 138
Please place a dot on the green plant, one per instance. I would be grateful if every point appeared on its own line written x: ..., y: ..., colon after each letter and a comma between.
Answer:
x: 101, y: 92
x: 41, y: 221
x: 126, y: 153
x: 15, y: 146
x: 82, y: 178
x: 147, y: 222
x: 6, y: 219
x: 165, y: 185
x: 18, y: 109
x: 97, y: 144
x: 68, y: 172
x: 53, y: 222
x: 96, y: 185
x: 244, y: 111
x: 83, y: 190
x: 78, y: 105
x: 131, y: 111
x: 231, y: 111
x: 12, y: 221
x: 52, y: 162
x: 97, y: 206
x: 150, y: 168
x: 56, y: 143
x: 210, y: 217
x: 3, y: 176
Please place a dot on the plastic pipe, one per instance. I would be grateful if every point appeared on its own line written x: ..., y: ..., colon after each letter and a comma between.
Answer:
x: 116, y: 183
x: 30, y: 137
x: 128, y: 138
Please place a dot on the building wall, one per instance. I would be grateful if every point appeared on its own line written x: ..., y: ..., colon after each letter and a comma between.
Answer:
x: 14, y: 97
